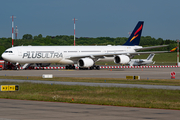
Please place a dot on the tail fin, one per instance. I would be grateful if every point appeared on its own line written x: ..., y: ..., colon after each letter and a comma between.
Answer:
x: 135, y: 36
x: 150, y: 57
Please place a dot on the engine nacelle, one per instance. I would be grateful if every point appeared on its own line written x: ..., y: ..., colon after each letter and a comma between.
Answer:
x: 43, y: 64
x: 85, y: 62
x: 121, y: 59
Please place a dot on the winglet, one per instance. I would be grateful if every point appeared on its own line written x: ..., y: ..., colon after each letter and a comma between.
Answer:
x: 135, y: 36
x: 173, y: 49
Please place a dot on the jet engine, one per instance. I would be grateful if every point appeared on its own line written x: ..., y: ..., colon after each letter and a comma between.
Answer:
x: 85, y: 62
x: 121, y: 59
x: 43, y: 64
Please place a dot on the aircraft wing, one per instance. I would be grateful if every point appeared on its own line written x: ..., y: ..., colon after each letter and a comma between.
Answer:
x: 112, y: 54
x: 149, y: 52
x: 151, y: 47
x: 94, y: 55
x: 128, y: 54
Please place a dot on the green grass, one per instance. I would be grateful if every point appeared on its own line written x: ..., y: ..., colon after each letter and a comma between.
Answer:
x: 174, y: 82
x: 160, y: 59
x: 133, y: 97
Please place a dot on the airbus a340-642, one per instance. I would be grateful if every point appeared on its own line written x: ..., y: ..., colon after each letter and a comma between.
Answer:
x: 82, y: 56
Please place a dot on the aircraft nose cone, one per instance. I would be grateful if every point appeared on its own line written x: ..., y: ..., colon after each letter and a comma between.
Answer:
x: 3, y: 56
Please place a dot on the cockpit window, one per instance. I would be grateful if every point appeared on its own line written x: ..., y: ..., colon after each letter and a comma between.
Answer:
x: 8, y: 52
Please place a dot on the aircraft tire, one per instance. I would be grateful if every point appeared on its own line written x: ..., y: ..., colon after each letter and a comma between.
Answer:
x: 70, y: 66
x: 67, y: 67
x: 91, y: 68
x: 97, y: 68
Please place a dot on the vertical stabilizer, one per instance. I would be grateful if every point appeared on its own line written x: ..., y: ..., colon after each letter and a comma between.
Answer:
x: 135, y: 36
x: 150, y: 57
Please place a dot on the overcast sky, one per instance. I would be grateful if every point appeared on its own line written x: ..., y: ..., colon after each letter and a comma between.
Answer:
x: 96, y: 18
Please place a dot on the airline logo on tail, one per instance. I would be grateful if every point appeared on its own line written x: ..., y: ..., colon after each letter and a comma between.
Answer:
x: 134, y: 38
x: 135, y: 34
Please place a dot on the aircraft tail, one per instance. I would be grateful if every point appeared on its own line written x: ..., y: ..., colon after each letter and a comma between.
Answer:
x: 150, y: 57
x: 135, y: 36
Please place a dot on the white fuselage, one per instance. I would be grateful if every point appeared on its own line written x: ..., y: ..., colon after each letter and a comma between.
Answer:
x: 61, y: 54
x: 138, y: 62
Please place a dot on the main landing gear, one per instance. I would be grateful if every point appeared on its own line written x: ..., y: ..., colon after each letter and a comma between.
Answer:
x: 72, y: 67
x: 94, y: 68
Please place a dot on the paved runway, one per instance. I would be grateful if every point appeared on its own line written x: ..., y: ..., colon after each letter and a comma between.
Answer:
x: 27, y: 110
x: 146, y: 73
x: 36, y: 110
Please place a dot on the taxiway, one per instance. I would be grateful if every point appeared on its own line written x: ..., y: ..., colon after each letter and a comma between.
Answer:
x: 145, y: 73
x: 30, y: 110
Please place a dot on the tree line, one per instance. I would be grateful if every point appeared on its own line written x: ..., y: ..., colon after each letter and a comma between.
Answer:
x: 39, y: 40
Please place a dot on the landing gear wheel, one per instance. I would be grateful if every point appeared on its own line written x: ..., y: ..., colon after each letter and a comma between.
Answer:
x: 70, y: 67
x: 97, y: 68
x: 67, y: 67
x: 73, y: 67
x: 91, y: 68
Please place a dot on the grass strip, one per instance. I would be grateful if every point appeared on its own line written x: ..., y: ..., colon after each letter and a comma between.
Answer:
x: 131, y: 97
x: 173, y: 82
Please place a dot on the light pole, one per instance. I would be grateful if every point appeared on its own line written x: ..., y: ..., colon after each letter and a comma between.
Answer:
x: 74, y: 31
x: 16, y: 32
x: 12, y: 29
x: 178, y: 53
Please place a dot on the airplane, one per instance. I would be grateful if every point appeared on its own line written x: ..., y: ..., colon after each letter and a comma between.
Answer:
x: 81, y: 56
x: 139, y: 62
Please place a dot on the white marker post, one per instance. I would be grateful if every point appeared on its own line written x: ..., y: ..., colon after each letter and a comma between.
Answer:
x: 178, y: 53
